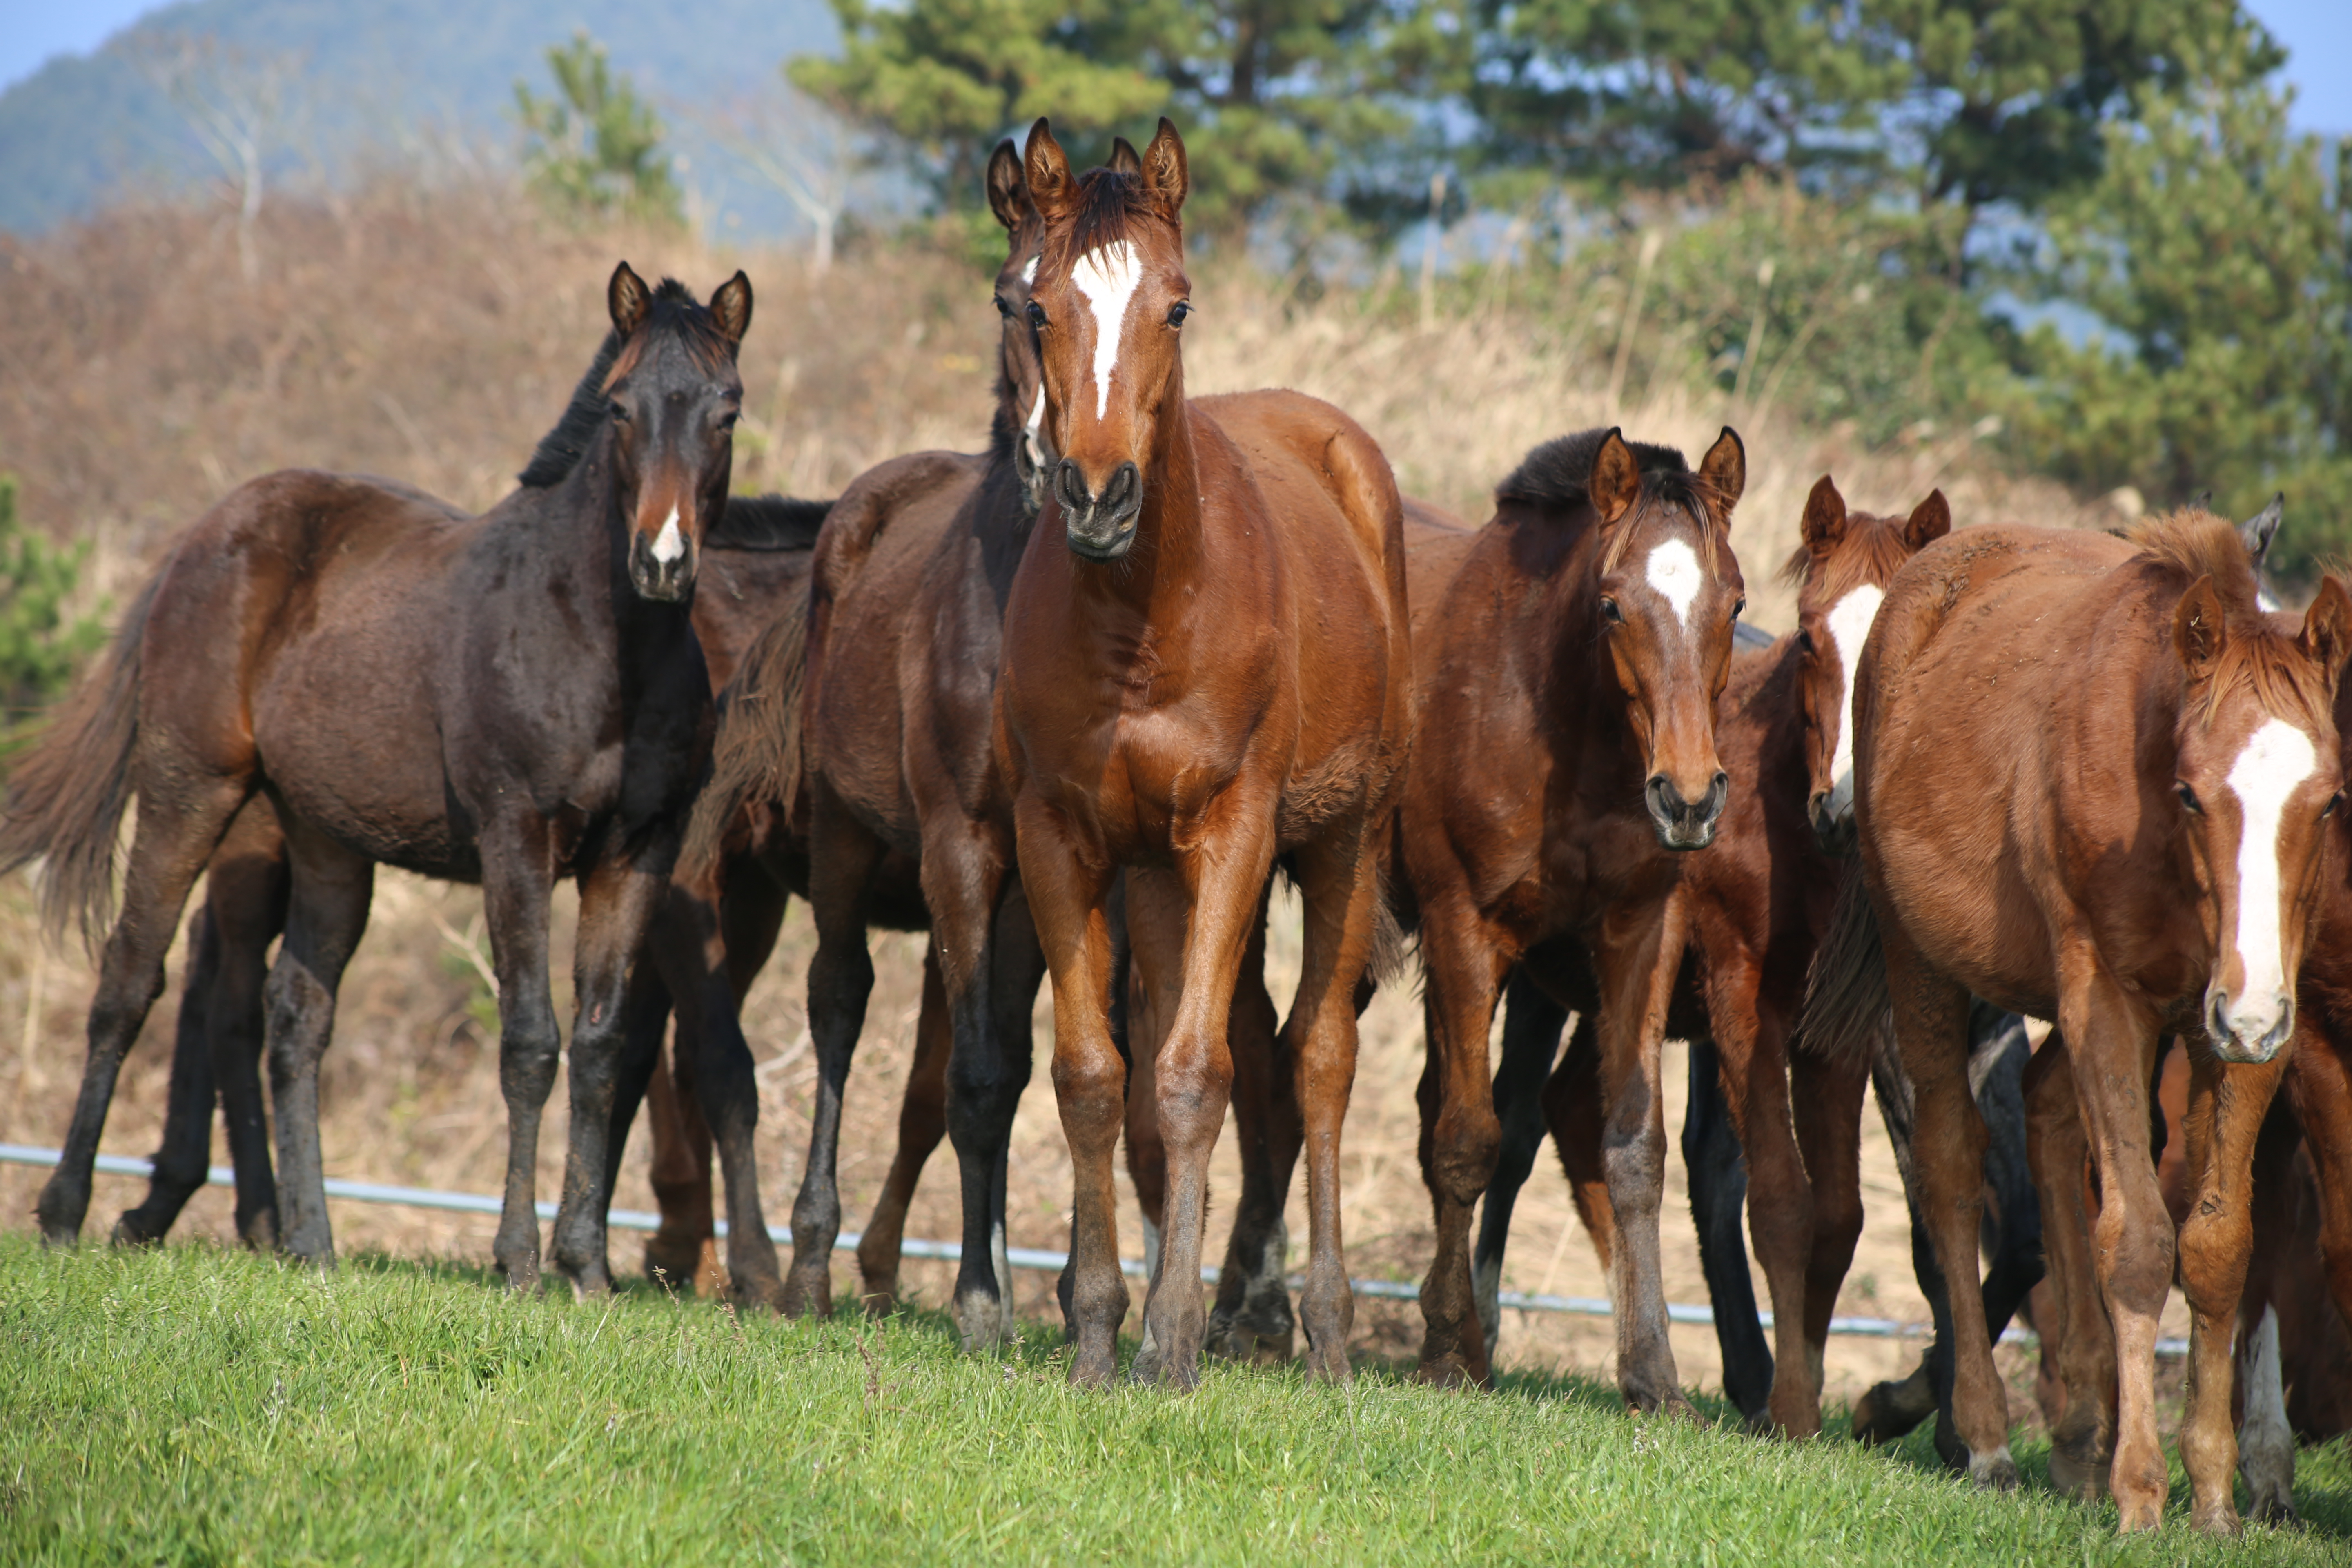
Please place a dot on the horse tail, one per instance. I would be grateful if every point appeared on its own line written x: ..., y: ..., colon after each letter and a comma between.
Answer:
x: 65, y: 801
x: 756, y: 759
x: 1848, y: 1013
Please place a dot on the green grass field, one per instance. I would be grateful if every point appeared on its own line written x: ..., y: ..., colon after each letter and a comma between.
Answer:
x: 195, y: 1406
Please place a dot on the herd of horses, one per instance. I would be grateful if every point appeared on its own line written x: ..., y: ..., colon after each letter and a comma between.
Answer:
x: 1069, y: 705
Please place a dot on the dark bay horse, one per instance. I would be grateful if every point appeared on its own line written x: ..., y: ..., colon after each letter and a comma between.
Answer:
x: 510, y: 699
x: 1569, y: 658
x: 1204, y: 667
x: 888, y: 727
x: 756, y: 557
x: 1760, y: 901
x: 2091, y: 785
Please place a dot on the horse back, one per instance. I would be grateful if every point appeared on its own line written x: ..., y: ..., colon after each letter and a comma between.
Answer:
x: 1318, y: 469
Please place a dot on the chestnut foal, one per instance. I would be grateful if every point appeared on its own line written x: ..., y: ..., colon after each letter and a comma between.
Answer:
x: 1204, y: 667
x: 2091, y: 782
x: 1569, y: 658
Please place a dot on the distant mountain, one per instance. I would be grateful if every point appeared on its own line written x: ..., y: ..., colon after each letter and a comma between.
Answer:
x: 395, y: 75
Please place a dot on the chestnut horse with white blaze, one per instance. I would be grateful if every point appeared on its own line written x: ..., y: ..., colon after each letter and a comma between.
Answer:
x: 2091, y: 782
x: 1204, y: 669
x: 1569, y: 657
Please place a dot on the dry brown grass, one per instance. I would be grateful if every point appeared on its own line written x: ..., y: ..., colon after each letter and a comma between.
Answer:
x: 434, y: 335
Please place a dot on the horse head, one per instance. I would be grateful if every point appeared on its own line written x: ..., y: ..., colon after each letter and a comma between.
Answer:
x: 674, y: 396
x: 2256, y: 773
x: 1841, y: 571
x: 1021, y: 384
x: 1107, y: 303
x: 1668, y: 591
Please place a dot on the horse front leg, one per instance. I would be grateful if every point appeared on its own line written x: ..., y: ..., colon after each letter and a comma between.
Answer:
x: 2227, y: 1105
x: 843, y: 856
x: 2077, y: 1340
x: 1066, y: 889
x: 2111, y: 1042
x: 518, y: 874
x: 618, y: 898
x: 1636, y: 958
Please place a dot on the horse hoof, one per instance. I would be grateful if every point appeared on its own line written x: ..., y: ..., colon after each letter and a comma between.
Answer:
x: 1332, y: 1367
x: 131, y: 1230
x: 1994, y: 1472
x: 672, y: 1259
x: 2079, y: 1470
x: 2272, y: 1509
x: 521, y: 1271
x: 750, y: 1291
x: 2220, y: 1520
x: 1448, y: 1371
x: 807, y: 1298
x: 2139, y: 1516
x: 260, y: 1232
x: 980, y: 1320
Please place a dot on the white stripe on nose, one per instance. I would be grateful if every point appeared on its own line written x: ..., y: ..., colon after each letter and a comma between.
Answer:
x: 1029, y: 271
x: 2277, y: 758
x: 1850, y: 621
x: 1108, y: 276
x: 1673, y: 573
x: 669, y: 544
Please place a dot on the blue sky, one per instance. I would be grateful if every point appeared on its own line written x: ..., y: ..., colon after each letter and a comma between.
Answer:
x: 2317, y: 34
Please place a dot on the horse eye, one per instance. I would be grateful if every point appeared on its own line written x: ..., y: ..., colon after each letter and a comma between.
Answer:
x: 1002, y: 309
x: 2189, y: 799
x: 620, y: 413
x: 727, y: 420
x: 1805, y: 642
x: 1036, y: 314
x: 1611, y: 613
x: 1177, y: 312
x: 2333, y: 802
x: 1740, y: 608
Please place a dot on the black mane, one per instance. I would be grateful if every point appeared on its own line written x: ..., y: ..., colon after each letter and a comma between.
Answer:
x: 1557, y: 473
x: 768, y: 522
x: 563, y: 447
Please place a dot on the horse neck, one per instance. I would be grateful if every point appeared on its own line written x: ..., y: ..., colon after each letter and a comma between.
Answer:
x: 1586, y: 702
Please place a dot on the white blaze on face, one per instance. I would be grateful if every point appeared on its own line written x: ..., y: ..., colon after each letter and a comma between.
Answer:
x: 669, y: 544
x: 2277, y: 758
x: 1675, y: 573
x: 1029, y: 271
x: 1108, y: 276
x: 1850, y: 621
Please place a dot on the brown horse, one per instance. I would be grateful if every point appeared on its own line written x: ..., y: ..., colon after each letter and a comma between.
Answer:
x: 514, y: 697
x: 1204, y: 667
x: 2090, y: 785
x: 1569, y: 658
x: 1760, y: 901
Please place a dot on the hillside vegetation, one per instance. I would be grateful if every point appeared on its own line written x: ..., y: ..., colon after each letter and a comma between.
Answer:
x: 191, y: 1406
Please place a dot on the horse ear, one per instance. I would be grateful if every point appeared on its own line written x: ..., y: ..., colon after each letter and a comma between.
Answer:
x: 1616, y: 478
x: 1824, y: 524
x: 1008, y: 193
x: 2328, y: 630
x: 628, y: 299
x: 730, y: 307
x: 1725, y: 469
x: 2199, y: 630
x: 2259, y: 529
x: 1166, y: 175
x: 1048, y: 171
x: 1930, y: 520
x: 2201, y: 501
x: 1124, y: 158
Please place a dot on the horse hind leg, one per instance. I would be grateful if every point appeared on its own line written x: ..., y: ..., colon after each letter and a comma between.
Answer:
x: 2265, y: 1438
x: 1252, y: 1317
x: 179, y: 1166
x: 989, y: 998
x: 175, y: 837
x: 1717, y: 1167
x: 1532, y: 1025
x: 922, y: 1123
x: 326, y: 916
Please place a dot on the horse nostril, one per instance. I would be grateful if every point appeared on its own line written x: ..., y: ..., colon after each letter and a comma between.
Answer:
x: 1071, y: 486
x: 2218, y: 1017
x: 1120, y: 493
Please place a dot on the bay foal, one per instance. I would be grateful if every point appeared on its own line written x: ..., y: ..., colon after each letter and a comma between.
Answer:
x: 2091, y: 785
x: 511, y: 699
x: 1569, y: 657
x: 1204, y: 667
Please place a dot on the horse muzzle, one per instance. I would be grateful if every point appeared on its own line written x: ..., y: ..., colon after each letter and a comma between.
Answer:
x: 2248, y: 1034
x: 661, y: 566
x: 1831, y: 812
x: 1685, y: 824
x: 1101, y: 525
